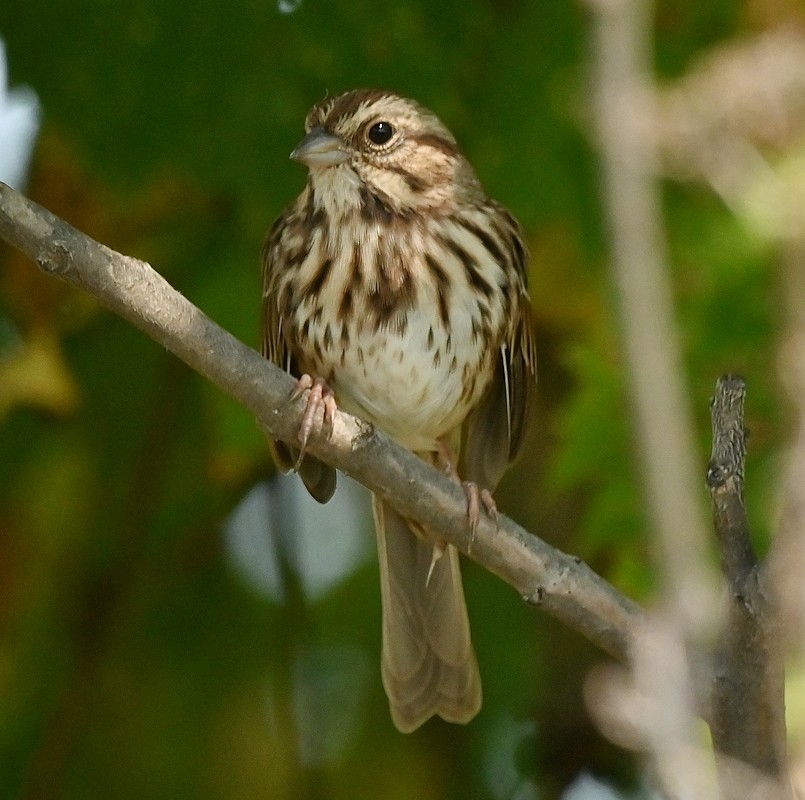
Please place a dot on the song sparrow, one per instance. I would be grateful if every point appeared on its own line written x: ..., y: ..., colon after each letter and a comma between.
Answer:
x: 394, y: 287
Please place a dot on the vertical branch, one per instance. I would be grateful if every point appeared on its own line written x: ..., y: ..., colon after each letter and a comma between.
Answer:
x: 661, y: 674
x: 785, y: 564
x: 664, y: 423
x: 786, y: 561
x: 725, y: 479
x: 747, y: 703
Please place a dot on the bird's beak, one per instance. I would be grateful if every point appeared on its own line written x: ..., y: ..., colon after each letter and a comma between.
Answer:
x: 320, y: 149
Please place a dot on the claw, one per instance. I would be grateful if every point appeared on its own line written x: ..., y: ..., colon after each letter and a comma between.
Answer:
x: 320, y: 396
x: 476, y: 498
x: 330, y: 408
x: 490, y: 505
x: 304, y: 383
x: 473, y: 504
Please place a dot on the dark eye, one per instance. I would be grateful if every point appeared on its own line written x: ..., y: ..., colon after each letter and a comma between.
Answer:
x: 380, y: 133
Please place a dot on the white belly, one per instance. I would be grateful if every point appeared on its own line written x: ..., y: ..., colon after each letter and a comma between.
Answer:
x: 418, y: 385
x: 399, y: 387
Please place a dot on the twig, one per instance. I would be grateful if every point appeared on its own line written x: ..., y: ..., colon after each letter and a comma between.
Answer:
x: 563, y: 586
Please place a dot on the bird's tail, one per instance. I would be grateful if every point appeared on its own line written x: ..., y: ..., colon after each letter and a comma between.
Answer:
x: 428, y: 662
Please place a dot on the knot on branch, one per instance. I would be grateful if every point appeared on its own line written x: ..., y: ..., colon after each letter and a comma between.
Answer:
x: 55, y: 258
x: 720, y: 475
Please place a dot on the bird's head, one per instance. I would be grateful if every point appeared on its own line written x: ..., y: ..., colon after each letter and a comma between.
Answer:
x: 384, y: 152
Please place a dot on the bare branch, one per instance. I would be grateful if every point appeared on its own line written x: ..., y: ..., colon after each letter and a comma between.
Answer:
x: 786, y: 560
x: 747, y: 702
x: 664, y: 422
x: 785, y: 564
x: 563, y: 586
x: 725, y: 478
x: 746, y: 696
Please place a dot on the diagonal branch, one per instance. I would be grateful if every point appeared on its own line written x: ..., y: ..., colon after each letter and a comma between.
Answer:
x: 562, y: 585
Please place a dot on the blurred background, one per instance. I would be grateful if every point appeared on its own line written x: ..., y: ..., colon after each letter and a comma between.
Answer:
x: 176, y: 621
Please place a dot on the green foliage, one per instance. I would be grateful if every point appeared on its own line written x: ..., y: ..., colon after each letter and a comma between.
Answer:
x: 134, y: 660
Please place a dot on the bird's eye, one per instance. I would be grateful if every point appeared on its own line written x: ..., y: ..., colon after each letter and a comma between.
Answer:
x: 380, y: 133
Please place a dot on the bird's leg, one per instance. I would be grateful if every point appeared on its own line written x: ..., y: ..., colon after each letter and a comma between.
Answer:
x: 476, y: 496
x: 320, y: 396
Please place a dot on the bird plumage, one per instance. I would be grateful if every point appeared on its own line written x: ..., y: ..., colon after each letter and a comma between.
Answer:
x: 399, y: 282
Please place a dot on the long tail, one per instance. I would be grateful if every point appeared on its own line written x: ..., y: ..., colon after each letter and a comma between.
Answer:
x: 428, y: 662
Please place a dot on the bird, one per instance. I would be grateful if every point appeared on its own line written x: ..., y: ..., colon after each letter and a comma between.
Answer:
x: 395, y: 289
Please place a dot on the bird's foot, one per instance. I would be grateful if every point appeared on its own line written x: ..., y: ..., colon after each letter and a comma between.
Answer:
x: 320, y: 396
x: 477, y: 497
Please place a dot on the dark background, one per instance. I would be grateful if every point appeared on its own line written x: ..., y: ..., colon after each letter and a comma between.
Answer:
x: 137, y: 659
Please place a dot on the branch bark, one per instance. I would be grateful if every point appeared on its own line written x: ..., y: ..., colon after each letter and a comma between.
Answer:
x: 560, y: 584
x: 747, y: 701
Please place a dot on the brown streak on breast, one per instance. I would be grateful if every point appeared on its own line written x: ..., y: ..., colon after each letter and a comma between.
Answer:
x: 442, y: 289
x: 318, y: 279
x: 374, y: 208
x: 394, y: 292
